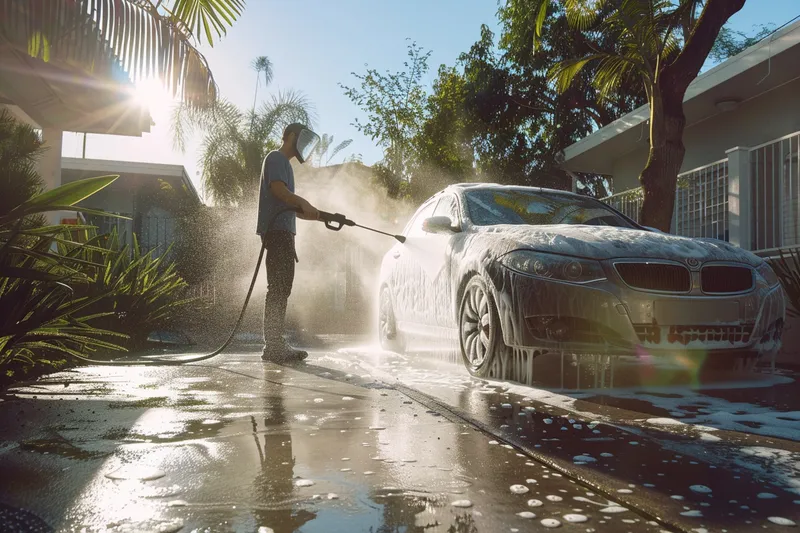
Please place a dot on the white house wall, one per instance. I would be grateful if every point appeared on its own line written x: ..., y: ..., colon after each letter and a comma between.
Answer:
x: 754, y: 122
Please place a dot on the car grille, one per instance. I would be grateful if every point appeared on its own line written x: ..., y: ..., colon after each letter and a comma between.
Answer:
x: 686, y: 334
x: 655, y: 276
x: 724, y: 279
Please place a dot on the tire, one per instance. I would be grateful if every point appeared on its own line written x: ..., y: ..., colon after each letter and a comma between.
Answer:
x: 479, y: 332
x: 390, y: 338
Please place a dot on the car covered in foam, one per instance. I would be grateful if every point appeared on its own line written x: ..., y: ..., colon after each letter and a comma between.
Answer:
x: 511, y: 273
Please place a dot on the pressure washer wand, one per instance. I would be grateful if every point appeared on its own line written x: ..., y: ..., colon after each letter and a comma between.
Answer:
x: 335, y: 222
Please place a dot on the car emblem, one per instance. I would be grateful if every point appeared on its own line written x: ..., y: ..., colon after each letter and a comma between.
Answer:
x: 693, y: 262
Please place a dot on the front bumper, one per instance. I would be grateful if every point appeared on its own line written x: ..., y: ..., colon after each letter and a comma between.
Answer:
x: 608, y: 317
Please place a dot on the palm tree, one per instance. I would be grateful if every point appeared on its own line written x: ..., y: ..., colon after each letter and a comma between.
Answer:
x: 261, y: 64
x: 663, y: 43
x: 236, y: 142
x: 148, y: 37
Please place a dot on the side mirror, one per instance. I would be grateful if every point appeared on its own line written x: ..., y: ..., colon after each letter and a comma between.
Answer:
x: 440, y: 224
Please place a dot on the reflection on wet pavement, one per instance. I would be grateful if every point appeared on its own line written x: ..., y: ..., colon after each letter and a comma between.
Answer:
x: 360, y: 440
x: 297, y: 453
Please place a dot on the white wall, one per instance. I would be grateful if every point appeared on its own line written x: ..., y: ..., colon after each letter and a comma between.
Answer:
x: 757, y: 121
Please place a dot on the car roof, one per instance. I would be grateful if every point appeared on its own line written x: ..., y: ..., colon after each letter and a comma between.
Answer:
x: 461, y: 187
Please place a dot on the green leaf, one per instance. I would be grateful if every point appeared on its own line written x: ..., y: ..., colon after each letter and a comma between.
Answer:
x: 28, y: 274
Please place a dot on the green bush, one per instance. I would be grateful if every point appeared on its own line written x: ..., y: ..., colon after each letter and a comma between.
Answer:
x: 65, y: 291
x: 139, y: 292
x: 787, y: 268
x: 41, y: 316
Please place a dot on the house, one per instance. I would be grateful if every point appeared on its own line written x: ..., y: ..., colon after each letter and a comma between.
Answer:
x: 152, y: 196
x: 60, y: 94
x: 740, y: 179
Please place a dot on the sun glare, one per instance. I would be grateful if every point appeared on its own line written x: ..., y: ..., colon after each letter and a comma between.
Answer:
x: 152, y: 95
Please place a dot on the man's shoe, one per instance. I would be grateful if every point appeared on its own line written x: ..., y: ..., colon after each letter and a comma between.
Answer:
x: 283, y: 354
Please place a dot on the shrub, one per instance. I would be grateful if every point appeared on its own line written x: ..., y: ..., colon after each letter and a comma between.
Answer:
x: 787, y: 268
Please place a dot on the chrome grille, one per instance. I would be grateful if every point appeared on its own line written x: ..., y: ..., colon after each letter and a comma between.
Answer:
x: 726, y: 279
x: 686, y: 334
x: 663, y: 277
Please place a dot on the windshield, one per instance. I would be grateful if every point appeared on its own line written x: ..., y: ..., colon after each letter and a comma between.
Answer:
x: 529, y: 207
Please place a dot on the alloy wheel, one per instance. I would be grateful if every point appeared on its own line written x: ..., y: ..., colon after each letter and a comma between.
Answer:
x: 476, y: 325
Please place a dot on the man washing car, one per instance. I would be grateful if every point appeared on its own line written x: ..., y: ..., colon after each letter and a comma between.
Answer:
x: 277, y: 193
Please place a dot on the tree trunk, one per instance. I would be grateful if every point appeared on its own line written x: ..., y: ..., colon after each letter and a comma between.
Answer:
x: 667, y: 121
x: 660, y: 176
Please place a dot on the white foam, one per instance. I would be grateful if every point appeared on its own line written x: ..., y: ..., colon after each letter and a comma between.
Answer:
x: 701, y: 489
x: 575, y: 518
x: 778, y: 520
x: 462, y: 503
x: 613, y: 509
x: 519, y: 489
x: 550, y: 522
x: 526, y: 514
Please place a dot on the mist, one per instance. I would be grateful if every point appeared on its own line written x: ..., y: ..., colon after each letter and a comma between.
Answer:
x: 335, y: 281
x: 334, y: 290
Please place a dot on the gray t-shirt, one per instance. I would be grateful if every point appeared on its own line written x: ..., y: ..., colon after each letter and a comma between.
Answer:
x: 276, y: 167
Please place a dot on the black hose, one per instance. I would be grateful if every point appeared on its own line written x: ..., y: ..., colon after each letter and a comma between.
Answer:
x: 159, y: 361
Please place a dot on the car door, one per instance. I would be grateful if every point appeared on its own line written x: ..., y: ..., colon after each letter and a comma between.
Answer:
x: 407, y: 275
x: 438, y: 278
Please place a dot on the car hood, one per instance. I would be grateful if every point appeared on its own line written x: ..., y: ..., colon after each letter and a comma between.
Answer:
x: 605, y: 242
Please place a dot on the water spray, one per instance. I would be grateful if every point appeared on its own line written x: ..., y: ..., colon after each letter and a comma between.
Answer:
x: 333, y: 221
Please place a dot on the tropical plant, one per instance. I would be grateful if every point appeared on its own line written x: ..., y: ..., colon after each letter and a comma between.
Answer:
x: 261, y: 64
x: 20, y: 146
x: 787, y: 268
x: 236, y: 142
x: 149, y: 37
x: 139, y: 292
x: 395, y: 107
x: 320, y: 156
x: 40, y: 314
x: 661, y: 43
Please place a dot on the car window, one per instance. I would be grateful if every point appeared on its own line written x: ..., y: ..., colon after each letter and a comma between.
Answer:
x: 415, y: 226
x: 487, y: 207
x: 447, y: 207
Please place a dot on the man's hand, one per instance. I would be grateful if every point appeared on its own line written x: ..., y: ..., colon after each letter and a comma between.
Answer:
x: 309, y: 211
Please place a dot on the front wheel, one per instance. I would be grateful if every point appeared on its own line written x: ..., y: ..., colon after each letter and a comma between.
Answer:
x: 387, y: 324
x: 479, y: 328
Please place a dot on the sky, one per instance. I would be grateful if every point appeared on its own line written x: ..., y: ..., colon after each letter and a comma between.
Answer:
x: 316, y: 45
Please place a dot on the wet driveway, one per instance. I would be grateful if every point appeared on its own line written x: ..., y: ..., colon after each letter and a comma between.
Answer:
x: 359, y: 440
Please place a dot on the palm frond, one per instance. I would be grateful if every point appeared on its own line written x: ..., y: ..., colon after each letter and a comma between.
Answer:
x: 207, y: 16
x: 145, y: 39
x: 611, y: 72
x: 563, y: 73
x: 582, y: 14
x: 187, y: 119
x: 339, y: 147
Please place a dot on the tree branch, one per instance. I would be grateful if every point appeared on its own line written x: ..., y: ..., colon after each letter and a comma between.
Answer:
x: 688, y: 63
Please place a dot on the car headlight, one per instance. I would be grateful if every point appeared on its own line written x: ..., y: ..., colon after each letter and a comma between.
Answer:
x: 552, y: 266
x: 767, y: 274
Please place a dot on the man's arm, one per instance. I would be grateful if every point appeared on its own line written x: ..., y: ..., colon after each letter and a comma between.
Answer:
x: 283, y: 194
